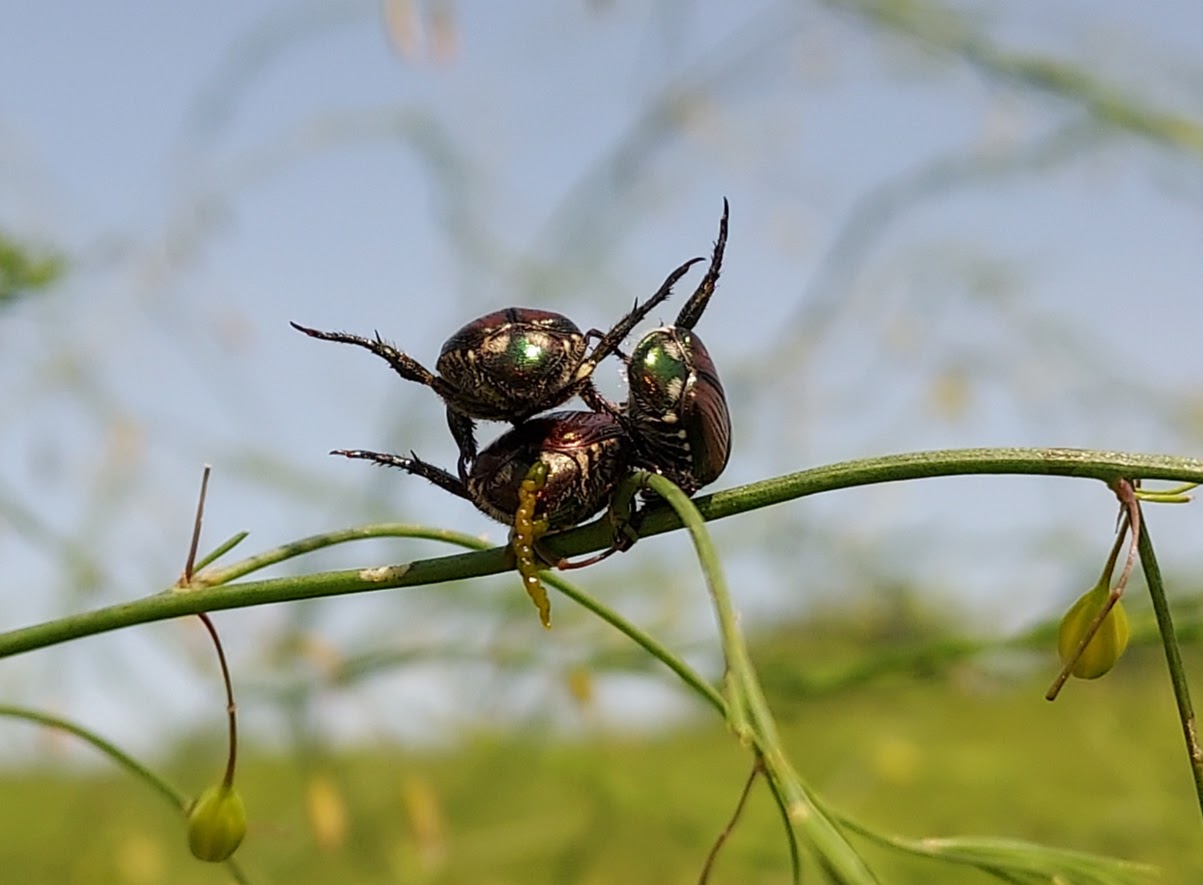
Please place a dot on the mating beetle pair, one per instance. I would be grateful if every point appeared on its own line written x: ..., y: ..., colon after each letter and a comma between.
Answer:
x: 515, y: 364
x: 509, y: 365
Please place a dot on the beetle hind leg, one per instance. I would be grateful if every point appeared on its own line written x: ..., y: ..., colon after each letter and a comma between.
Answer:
x: 411, y: 464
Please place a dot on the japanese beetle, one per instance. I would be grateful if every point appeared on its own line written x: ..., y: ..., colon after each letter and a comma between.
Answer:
x: 676, y: 412
x: 587, y: 455
x: 678, y: 416
x: 509, y: 365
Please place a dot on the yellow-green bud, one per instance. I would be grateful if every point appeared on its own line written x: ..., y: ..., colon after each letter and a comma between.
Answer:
x: 216, y: 823
x: 1106, y: 646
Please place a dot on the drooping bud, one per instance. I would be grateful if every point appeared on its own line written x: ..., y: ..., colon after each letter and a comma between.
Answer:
x: 1107, y: 644
x: 216, y: 823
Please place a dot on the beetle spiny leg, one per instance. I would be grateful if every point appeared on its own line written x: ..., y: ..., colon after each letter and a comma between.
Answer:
x: 599, y: 334
x: 598, y: 403
x: 400, y: 362
x: 612, y: 339
x: 691, y: 312
x: 410, y: 464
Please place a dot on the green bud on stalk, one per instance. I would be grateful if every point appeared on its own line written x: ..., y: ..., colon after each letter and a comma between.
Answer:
x: 1108, y: 642
x: 216, y: 823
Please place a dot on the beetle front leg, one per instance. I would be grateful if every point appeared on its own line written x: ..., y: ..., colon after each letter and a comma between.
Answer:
x: 402, y: 363
x: 691, y: 312
x: 612, y: 339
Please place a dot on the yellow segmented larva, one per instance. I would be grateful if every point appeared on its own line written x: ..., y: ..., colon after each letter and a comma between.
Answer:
x: 522, y: 539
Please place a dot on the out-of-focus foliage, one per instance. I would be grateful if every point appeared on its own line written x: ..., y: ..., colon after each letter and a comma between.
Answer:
x: 952, y: 748
x: 25, y: 270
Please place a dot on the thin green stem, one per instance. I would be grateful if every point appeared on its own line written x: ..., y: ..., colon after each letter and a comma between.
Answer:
x: 734, y: 648
x: 221, y: 549
x: 1173, y: 659
x: 750, y: 717
x: 1106, y: 466
x: 1179, y: 494
x: 644, y: 640
x: 177, y: 799
x: 276, y: 555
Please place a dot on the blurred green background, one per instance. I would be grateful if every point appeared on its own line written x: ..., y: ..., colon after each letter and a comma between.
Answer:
x: 893, y: 718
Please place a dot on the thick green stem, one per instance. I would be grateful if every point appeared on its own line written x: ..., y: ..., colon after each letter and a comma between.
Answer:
x: 1081, y: 463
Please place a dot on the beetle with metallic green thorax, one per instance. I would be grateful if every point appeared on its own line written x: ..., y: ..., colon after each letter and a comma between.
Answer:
x: 676, y: 413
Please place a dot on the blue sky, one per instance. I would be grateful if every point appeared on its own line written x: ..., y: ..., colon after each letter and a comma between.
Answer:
x: 215, y: 171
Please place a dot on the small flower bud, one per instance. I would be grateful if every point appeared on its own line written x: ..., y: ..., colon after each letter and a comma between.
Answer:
x: 1107, y: 644
x: 216, y: 823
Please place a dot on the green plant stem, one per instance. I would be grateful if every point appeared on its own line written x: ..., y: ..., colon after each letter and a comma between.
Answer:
x: 644, y: 640
x: 217, y: 576
x: 1012, y: 860
x: 221, y: 550
x: 1173, y: 658
x: 1081, y: 463
x: 177, y: 799
x: 176, y: 602
x: 749, y: 715
x: 1073, y: 463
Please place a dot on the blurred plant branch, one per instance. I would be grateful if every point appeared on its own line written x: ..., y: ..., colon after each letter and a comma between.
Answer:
x: 937, y: 27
